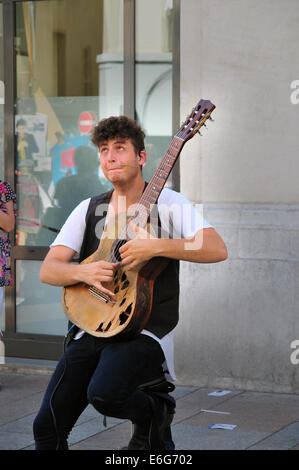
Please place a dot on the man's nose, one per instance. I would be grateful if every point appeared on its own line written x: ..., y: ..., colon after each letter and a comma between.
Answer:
x: 111, y: 155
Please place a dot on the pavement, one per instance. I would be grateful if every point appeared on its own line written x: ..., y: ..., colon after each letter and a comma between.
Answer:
x: 259, y: 421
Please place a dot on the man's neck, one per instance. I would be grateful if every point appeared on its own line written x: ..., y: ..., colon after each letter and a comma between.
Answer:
x: 132, y: 193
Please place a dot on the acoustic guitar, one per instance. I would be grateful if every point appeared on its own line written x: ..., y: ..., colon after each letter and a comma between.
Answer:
x: 126, y: 312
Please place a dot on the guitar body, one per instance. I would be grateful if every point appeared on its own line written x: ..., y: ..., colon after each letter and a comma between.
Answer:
x: 131, y: 304
x: 127, y: 312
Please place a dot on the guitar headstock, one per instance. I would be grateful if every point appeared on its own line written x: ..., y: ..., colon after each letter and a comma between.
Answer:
x: 196, y: 120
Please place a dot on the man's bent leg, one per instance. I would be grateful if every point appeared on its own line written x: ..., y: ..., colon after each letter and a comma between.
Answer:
x: 122, y: 368
x: 65, y: 397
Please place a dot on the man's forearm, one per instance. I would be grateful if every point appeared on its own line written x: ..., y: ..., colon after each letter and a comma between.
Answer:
x: 206, y: 247
x: 58, y: 270
x: 60, y: 273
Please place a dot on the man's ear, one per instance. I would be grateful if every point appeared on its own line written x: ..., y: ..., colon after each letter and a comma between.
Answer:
x: 142, y: 157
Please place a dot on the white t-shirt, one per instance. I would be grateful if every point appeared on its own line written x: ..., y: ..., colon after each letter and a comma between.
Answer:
x: 178, y: 216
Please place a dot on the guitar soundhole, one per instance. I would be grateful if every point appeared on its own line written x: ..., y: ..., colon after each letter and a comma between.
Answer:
x: 125, y: 314
x: 129, y: 308
x: 122, y: 318
x: 100, y: 327
x: 125, y: 284
x: 122, y: 302
x: 116, y: 290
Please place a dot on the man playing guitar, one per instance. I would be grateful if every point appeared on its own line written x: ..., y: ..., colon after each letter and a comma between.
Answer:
x: 109, y: 373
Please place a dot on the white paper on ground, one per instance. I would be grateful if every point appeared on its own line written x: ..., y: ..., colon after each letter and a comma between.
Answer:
x: 230, y: 427
x: 219, y: 412
x: 219, y: 393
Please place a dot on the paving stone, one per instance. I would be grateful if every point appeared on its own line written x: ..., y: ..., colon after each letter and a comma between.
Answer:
x: 182, y: 391
x: 193, y: 402
x: 15, y: 410
x: 286, y: 438
x: 21, y: 425
x: 89, y: 428
x: 188, y: 437
x: 257, y: 411
x: 113, y: 438
x: 14, y: 440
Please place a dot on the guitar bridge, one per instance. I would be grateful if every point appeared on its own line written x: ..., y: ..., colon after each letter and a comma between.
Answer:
x: 100, y: 295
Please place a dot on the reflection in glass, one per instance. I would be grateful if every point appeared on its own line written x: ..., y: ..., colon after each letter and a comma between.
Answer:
x: 73, y: 189
x: 39, y: 309
x: 154, y: 77
x: 67, y: 79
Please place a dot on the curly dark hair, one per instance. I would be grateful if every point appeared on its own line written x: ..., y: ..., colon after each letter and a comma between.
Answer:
x: 118, y: 126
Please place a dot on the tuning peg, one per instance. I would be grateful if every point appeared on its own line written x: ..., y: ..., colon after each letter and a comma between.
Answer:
x: 211, y: 119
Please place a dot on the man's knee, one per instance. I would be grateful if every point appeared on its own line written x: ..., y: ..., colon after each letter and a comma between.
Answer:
x: 108, y: 403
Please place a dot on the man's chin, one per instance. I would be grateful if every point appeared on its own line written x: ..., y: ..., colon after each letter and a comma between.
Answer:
x: 114, y: 179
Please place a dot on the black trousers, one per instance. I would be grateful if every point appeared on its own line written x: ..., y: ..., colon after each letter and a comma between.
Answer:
x: 104, y: 373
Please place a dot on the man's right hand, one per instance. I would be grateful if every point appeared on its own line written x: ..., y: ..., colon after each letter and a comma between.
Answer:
x: 57, y: 270
x: 94, y: 274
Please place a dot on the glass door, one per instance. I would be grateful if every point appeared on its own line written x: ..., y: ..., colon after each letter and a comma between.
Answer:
x: 62, y: 89
x: 67, y: 65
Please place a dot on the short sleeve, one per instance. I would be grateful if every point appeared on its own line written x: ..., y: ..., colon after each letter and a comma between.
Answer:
x: 179, y: 217
x: 72, y: 232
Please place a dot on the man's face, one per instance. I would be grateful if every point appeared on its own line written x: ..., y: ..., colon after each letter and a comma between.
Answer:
x: 119, y: 161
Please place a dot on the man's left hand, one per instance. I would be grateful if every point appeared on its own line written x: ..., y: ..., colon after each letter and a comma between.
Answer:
x: 139, y: 250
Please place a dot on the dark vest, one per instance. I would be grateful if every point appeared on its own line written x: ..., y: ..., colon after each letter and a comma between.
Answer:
x: 165, y: 308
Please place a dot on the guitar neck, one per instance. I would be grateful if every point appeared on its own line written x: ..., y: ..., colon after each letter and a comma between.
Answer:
x: 159, y: 178
x: 152, y: 191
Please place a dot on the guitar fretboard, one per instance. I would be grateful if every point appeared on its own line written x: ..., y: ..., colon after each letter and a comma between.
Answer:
x: 150, y: 195
x: 158, y: 180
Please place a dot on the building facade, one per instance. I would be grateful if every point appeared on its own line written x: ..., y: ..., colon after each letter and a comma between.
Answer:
x: 65, y: 64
